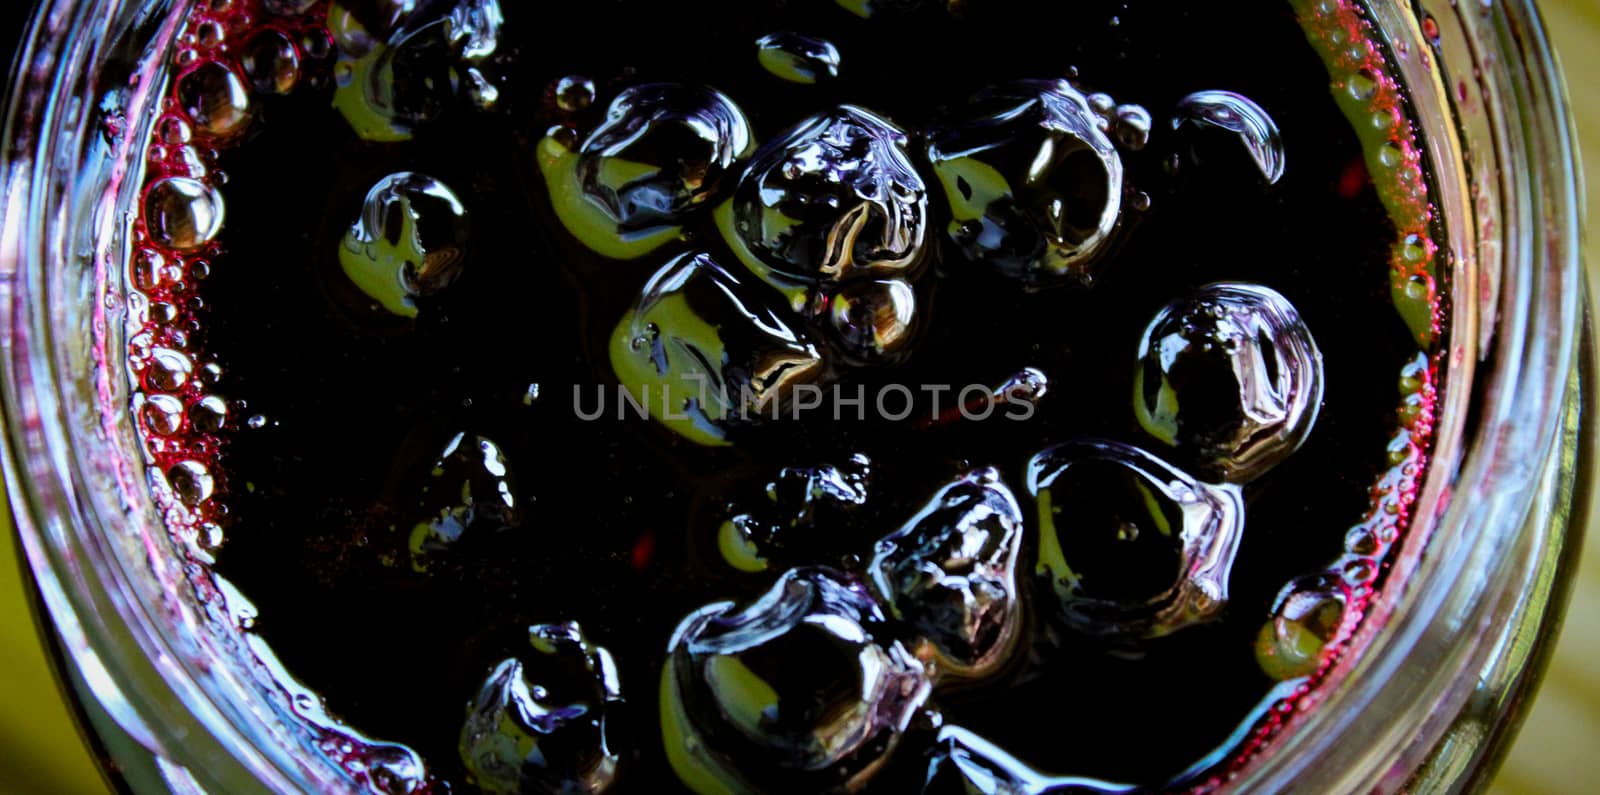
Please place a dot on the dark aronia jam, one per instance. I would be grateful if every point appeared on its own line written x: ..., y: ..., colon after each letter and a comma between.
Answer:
x: 878, y: 395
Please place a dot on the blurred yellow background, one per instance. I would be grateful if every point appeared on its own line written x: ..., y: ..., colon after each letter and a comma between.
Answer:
x: 1557, y: 753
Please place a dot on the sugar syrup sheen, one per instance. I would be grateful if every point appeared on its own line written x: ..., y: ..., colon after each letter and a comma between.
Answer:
x: 390, y: 255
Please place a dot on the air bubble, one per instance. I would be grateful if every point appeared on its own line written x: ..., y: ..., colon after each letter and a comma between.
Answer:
x: 1359, y: 571
x: 148, y: 269
x: 873, y: 321
x: 1242, y: 117
x: 834, y: 197
x: 1415, y: 249
x: 662, y: 154
x: 215, y: 99
x: 798, y: 515
x: 1363, y: 85
x: 407, y: 68
x: 394, y: 769
x: 409, y: 242
x: 737, y: 711
x: 1390, y: 155
x: 797, y: 58
x: 271, y: 62
x: 167, y: 370
x: 950, y: 573
x: 173, y: 130
x: 703, y: 353
x: 736, y: 542
x: 1102, y: 105
x: 1308, y: 615
x: 1171, y: 573
x: 663, y: 150
x: 1029, y: 163
x: 1132, y: 126
x: 182, y: 214
x: 574, y: 93
x: 191, y: 481
x: 208, y: 536
x: 543, y: 721
x: 163, y: 414
x: 1361, y: 541
x: 209, y: 414
x: 471, y: 489
x: 1231, y: 377
x: 209, y: 34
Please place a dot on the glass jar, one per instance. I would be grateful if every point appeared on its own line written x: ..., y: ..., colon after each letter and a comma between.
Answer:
x: 1426, y: 697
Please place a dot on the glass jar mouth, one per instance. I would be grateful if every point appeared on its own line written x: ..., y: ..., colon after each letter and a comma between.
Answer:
x: 119, y: 592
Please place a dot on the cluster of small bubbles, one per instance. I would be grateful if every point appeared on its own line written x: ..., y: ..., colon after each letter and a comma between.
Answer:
x: 540, y: 722
x: 1109, y: 507
x: 738, y: 714
x: 798, y: 58
x: 182, y: 214
x: 1241, y: 117
x: 866, y: 316
x: 1231, y: 378
x: 1130, y: 125
x: 225, y: 64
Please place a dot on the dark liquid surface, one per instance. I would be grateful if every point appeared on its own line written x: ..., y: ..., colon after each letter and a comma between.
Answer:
x: 619, y: 517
